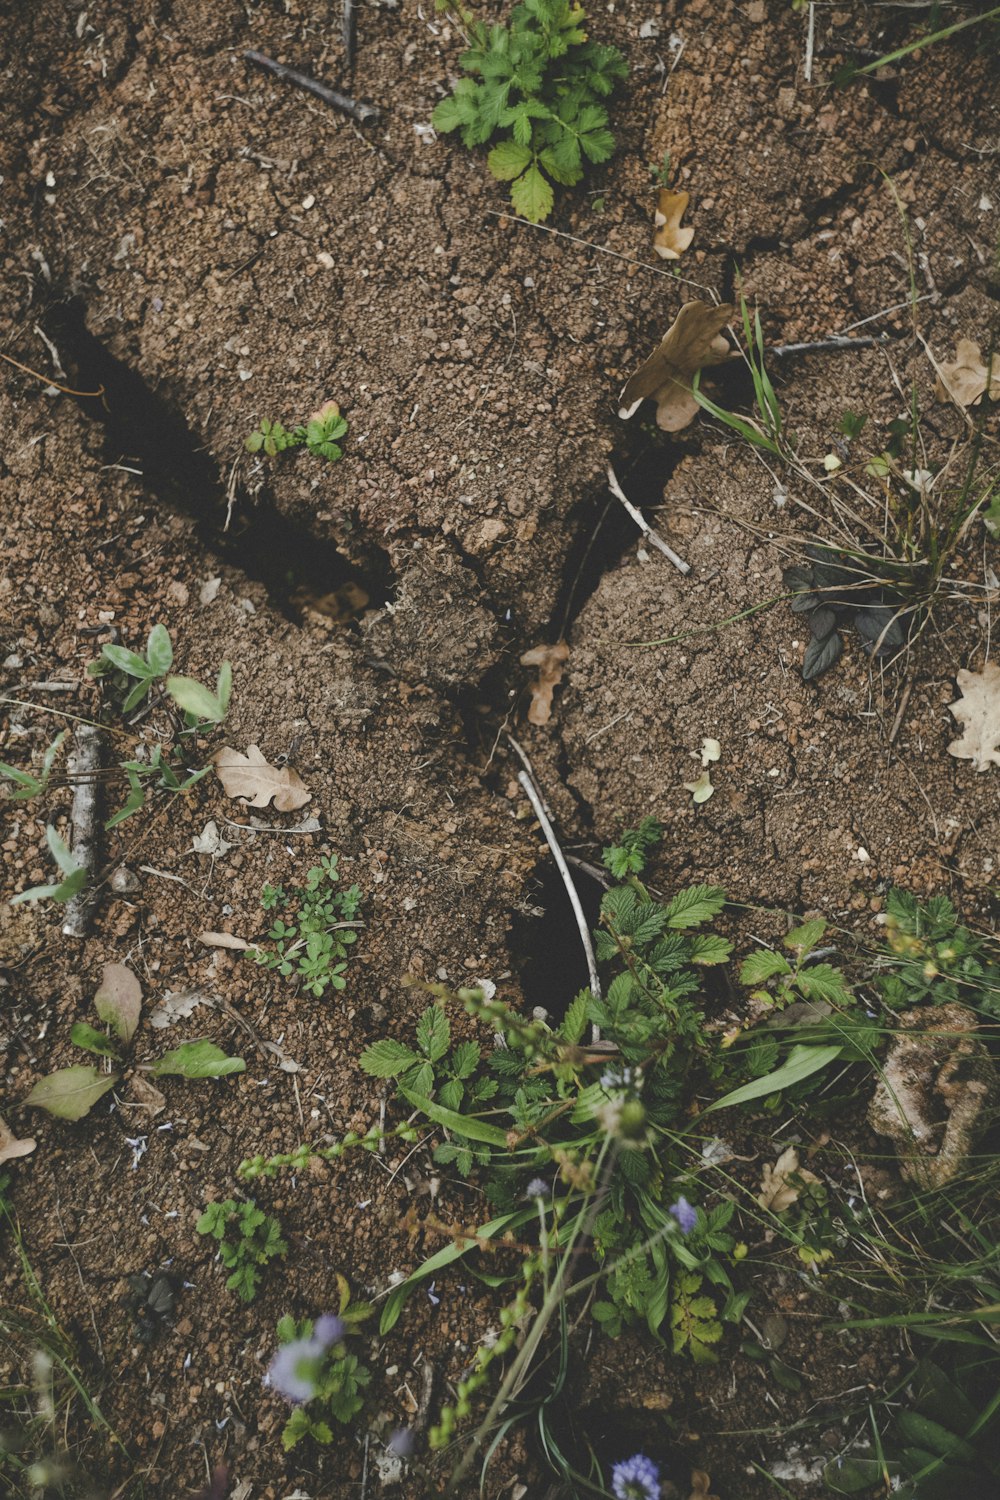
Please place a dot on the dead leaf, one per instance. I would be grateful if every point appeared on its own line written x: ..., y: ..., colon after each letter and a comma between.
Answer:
x: 701, y: 789
x: 670, y: 240
x: 781, y: 1184
x: 10, y: 1146
x: 251, y: 777
x: 177, y: 1005
x: 549, y: 660
x: 210, y: 840
x: 224, y: 940
x: 144, y: 1096
x: 700, y: 1486
x: 978, y: 711
x: 711, y: 750
x: 118, y: 1001
x: 967, y: 378
x: 693, y: 341
x: 209, y: 590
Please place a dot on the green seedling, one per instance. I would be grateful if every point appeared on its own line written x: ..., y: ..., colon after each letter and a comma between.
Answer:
x: 313, y: 936
x: 248, y: 1239
x: 319, y: 434
x: 28, y: 785
x: 74, y: 875
x: 537, y: 83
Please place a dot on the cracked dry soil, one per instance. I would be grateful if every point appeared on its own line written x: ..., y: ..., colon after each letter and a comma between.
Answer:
x: 214, y: 248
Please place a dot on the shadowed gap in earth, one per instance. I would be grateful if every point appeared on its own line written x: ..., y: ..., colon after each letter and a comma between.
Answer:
x: 544, y: 941
x: 289, y: 559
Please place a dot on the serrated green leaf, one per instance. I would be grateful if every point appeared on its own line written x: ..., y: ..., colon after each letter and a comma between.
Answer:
x: 197, y: 1060
x: 696, y: 904
x: 508, y: 160
x: 763, y: 965
x: 387, y: 1059
x: 802, y: 940
x: 465, y: 1059
x: 433, y: 1033
x: 531, y: 196
x: 71, y: 1093
x: 707, y: 948
x: 823, y: 982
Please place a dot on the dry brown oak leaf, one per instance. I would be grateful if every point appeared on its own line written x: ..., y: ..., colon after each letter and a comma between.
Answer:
x: 670, y: 240
x: 966, y: 379
x: 693, y: 341
x: 978, y: 711
x: 251, y: 777
x: 550, y: 661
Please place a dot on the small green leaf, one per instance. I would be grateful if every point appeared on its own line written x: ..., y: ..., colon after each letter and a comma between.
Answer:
x: 762, y: 966
x: 387, y: 1059
x: 433, y: 1033
x: 71, y: 1093
x: 197, y: 1060
x: 508, y: 160
x: 802, y: 940
x: 91, y: 1040
x: 463, y: 1125
x: 159, y: 651
x: 60, y: 852
x: 531, y: 196
x: 126, y: 661
x: 447, y: 115
x: 192, y: 697
x: 802, y: 1063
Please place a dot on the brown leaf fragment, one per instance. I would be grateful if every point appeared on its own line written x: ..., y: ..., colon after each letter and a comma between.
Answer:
x: 978, y: 712
x: 223, y: 940
x: 10, y: 1146
x: 251, y: 777
x: 781, y: 1184
x: 700, y: 1483
x: 670, y: 240
x: 967, y: 379
x: 550, y: 661
x: 145, y: 1096
x: 693, y: 341
x: 118, y: 1001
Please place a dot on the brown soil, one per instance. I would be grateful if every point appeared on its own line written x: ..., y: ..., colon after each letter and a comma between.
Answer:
x: 215, y: 248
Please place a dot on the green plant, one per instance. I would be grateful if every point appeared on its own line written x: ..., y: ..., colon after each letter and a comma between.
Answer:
x: 74, y: 875
x: 432, y: 1071
x: 248, y: 1239
x: 629, y: 857
x: 538, y: 83
x: 850, y: 71
x: 27, y: 784
x: 316, y: 931
x: 933, y: 959
x: 319, y: 434
x: 797, y: 977
x: 315, y: 1367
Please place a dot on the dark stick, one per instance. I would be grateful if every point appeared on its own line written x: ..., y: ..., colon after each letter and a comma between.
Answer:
x: 363, y: 113
x: 350, y: 31
x: 837, y: 342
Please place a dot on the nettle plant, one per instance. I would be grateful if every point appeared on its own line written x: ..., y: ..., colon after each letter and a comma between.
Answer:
x: 315, y: 1370
x: 315, y: 930
x: 538, y: 84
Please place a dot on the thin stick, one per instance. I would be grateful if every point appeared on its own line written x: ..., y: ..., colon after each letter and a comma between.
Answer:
x: 810, y: 42
x: 350, y: 32
x: 66, y: 390
x: 836, y: 341
x: 88, y: 749
x: 640, y: 265
x: 362, y: 113
x: 522, y: 756
x: 567, y: 879
x: 653, y: 537
x: 897, y: 721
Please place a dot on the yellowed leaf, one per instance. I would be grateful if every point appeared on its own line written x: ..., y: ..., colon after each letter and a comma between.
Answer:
x: 781, y: 1184
x: 978, y: 712
x: 254, y: 779
x: 10, y: 1146
x: 693, y: 341
x: 550, y: 661
x: 224, y: 940
x: 670, y: 240
x: 966, y: 379
x: 700, y: 1483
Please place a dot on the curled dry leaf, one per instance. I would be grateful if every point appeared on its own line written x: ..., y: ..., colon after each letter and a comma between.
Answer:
x: 10, y: 1146
x: 701, y: 1486
x: 978, y: 712
x: 254, y: 779
x: 693, y: 341
x: 210, y: 841
x: 701, y: 789
x: 711, y: 750
x: 118, y: 1001
x: 781, y: 1184
x: 177, y: 1005
x: 966, y: 379
x: 144, y: 1096
x: 550, y: 661
x: 224, y: 940
x: 670, y: 240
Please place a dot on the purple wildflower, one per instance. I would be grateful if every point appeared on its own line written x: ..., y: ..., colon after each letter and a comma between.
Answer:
x: 686, y: 1216
x: 294, y: 1371
x: 636, y: 1478
x: 537, y: 1188
x: 401, y: 1442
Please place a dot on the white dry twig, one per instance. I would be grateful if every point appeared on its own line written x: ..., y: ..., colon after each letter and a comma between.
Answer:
x: 85, y: 764
x: 653, y: 537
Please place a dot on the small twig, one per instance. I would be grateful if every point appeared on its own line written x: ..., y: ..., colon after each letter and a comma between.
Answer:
x: 423, y: 1411
x: 810, y: 42
x: 522, y: 756
x: 350, y: 31
x: 86, y: 762
x: 66, y: 390
x: 836, y: 341
x: 901, y: 710
x: 550, y: 838
x: 653, y: 537
x: 362, y: 113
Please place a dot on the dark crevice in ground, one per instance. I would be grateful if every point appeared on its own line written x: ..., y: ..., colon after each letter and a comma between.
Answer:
x: 145, y: 431
x: 545, y: 942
